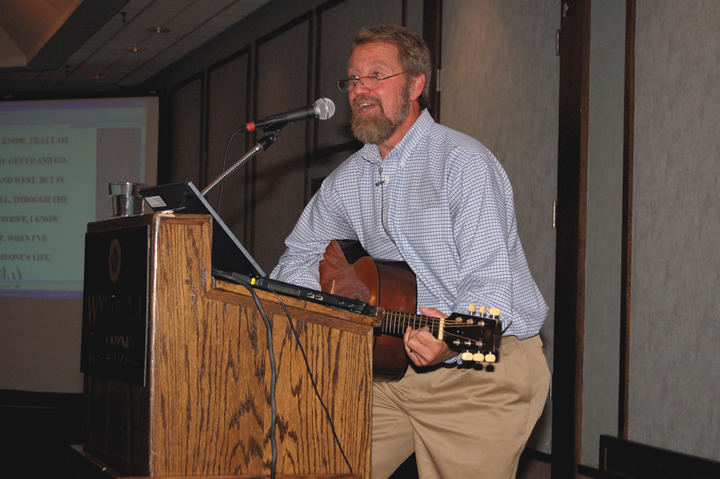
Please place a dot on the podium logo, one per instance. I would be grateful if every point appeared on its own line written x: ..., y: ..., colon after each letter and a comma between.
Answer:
x: 114, y: 260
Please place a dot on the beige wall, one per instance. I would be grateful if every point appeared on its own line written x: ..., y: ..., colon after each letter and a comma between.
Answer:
x: 675, y: 332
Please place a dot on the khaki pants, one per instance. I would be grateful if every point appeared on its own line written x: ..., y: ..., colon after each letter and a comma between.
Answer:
x: 461, y: 422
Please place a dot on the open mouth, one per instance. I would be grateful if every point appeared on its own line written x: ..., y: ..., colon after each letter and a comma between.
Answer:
x: 363, y: 106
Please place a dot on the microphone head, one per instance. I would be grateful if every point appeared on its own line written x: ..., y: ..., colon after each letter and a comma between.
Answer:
x: 324, y: 108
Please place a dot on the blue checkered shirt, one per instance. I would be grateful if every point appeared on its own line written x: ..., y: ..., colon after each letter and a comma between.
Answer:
x: 439, y: 201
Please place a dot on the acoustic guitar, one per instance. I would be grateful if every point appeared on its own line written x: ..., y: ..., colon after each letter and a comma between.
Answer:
x: 348, y: 271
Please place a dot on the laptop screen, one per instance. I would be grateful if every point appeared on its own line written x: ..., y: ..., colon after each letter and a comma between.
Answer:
x: 228, y: 254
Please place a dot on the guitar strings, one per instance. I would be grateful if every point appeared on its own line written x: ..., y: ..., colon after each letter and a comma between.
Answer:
x: 429, y: 321
x: 414, y: 320
x: 447, y: 323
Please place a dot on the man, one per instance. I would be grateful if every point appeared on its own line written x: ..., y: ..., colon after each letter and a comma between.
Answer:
x: 438, y: 200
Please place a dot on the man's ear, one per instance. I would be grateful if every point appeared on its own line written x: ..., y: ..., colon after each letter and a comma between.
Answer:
x: 417, y: 86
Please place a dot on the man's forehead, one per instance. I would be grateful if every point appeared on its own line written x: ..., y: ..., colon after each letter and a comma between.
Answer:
x: 374, y: 54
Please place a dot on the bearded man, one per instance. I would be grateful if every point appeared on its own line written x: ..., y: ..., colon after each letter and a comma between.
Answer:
x: 438, y: 200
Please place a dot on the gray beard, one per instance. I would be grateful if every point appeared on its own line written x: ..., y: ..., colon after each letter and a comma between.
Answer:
x: 378, y: 128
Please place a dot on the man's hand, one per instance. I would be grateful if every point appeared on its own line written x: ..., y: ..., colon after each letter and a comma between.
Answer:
x: 422, y: 347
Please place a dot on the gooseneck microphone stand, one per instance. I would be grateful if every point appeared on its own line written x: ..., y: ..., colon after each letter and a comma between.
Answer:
x: 263, y: 144
x: 322, y: 109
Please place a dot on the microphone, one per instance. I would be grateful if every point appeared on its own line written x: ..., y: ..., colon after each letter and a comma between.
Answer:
x: 322, y: 109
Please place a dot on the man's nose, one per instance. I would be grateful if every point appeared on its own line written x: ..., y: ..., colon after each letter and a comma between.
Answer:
x: 359, y: 83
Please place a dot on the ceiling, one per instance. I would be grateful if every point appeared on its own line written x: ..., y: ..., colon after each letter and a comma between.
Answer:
x: 89, y: 44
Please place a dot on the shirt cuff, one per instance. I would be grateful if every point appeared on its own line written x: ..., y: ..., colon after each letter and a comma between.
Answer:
x: 454, y: 360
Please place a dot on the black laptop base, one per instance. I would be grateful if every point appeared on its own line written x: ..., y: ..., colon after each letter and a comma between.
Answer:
x: 288, y: 289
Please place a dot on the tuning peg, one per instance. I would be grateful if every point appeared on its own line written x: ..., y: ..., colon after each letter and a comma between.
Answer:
x: 483, y: 310
x: 472, y: 308
x: 478, y: 357
x: 494, y: 312
x: 490, y: 358
x: 466, y: 356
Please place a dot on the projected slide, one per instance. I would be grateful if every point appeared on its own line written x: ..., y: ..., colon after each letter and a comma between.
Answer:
x: 56, y: 159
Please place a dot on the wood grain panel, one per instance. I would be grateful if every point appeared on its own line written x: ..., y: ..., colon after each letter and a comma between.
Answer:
x: 207, y: 410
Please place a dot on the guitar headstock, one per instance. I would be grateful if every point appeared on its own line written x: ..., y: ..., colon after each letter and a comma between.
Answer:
x: 476, y: 336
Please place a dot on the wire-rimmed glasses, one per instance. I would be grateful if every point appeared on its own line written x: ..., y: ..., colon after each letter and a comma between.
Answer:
x: 370, y: 82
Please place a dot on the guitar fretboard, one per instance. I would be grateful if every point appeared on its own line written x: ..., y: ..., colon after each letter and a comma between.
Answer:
x: 395, y: 323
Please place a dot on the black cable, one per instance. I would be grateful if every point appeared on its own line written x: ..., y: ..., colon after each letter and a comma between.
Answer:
x: 273, y: 373
x: 506, y: 328
x: 224, y: 164
x: 268, y: 325
x: 312, y: 380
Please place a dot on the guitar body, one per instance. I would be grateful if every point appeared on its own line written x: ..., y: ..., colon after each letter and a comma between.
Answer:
x: 388, y: 284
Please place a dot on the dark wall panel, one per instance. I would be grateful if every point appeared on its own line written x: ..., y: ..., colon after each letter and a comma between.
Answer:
x: 228, y: 110
x: 279, y: 181
x: 186, y: 144
x: 337, y: 27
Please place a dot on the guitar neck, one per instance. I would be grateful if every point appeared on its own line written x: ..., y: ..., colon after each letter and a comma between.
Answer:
x: 395, y: 323
x: 477, y: 337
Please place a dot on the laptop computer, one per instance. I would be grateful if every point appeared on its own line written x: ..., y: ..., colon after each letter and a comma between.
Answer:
x: 230, y: 260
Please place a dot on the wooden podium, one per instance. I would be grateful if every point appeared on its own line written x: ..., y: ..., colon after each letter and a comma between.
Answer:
x: 178, y: 371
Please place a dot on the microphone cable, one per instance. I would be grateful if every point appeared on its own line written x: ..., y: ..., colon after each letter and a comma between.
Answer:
x: 273, y: 378
x: 224, y: 165
x: 314, y: 384
x: 273, y: 369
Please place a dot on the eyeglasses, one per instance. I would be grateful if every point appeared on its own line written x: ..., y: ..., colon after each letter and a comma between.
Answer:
x: 370, y: 82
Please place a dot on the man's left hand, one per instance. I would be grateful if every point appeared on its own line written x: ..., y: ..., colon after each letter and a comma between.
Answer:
x: 421, y: 346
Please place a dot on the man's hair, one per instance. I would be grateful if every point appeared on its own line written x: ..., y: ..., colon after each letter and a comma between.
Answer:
x: 413, y: 53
